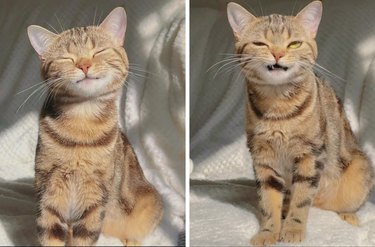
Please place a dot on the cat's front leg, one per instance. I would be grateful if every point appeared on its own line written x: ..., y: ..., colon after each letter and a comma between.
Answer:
x: 87, y: 229
x: 52, y: 227
x: 270, y: 189
x: 306, y: 176
x: 52, y: 231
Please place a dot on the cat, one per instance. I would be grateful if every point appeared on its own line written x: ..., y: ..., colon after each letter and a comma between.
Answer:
x: 303, y: 149
x: 87, y: 176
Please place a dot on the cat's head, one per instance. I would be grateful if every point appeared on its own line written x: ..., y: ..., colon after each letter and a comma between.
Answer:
x: 276, y: 49
x: 84, y: 61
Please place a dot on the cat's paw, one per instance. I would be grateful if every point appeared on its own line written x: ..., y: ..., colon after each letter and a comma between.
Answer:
x: 264, y: 238
x: 292, y: 234
x: 351, y: 218
x: 127, y: 242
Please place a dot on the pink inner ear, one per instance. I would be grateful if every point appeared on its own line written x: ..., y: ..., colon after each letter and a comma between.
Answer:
x: 238, y: 17
x: 115, y: 24
x: 310, y: 17
x: 39, y: 38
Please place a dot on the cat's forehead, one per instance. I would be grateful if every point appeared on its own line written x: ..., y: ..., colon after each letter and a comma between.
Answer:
x: 83, y: 37
x: 275, y: 25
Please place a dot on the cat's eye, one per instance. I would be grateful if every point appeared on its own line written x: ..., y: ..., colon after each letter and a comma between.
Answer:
x: 257, y: 43
x: 67, y: 58
x: 295, y: 44
x: 100, y: 51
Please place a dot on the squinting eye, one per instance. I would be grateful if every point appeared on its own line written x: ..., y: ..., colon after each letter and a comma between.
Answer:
x: 100, y: 51
x: 295, y: 44
x: 259, y: 43
x: 67, y: 58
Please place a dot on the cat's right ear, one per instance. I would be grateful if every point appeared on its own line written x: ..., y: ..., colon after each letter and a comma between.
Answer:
x: 238, y: 18
x: 40, y: 38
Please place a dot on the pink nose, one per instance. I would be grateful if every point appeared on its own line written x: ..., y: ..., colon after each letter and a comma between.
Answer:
x: 84, y: 67
x: 278, y: 55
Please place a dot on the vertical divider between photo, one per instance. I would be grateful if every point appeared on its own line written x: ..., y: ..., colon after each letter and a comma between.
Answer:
x: 187, y: 122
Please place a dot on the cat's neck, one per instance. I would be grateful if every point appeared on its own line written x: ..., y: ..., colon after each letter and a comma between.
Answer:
x: 280, y: 100
x: 81, y: 109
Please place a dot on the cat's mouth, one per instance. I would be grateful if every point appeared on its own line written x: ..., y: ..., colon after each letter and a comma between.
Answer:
x: 276, y: 66
x: 87, y: 79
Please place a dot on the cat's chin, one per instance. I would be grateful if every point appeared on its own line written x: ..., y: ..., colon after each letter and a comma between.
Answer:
x: 90, y: 87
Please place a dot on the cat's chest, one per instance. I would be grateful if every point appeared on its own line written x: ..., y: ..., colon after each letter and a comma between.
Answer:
x: 278, y: 137
x: 277, y: 134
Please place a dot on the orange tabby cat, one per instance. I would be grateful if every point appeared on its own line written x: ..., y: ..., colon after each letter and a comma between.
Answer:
x: 303, y: 149
x: 87, y: 176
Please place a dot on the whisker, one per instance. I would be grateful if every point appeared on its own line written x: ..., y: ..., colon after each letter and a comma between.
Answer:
x: 230, y: 60
x: 34, y: 92
x: 294, y: 6
x: 252, y: 10
x: 136, y: 74
x: 232, y: 67
x: 93, y: 22
x: 240, y: 64
x: 131, y: 69
x: 54, y: 29
x: 61, y: 26
x: 44, y: 90
x: 100, y: 18
x: 261, y: 9
x: 326, y: 70
x: 218, y: 70
x: 321, y: 70
x: 137, y: 67
x: 230, y: 54
x: 45, y: 81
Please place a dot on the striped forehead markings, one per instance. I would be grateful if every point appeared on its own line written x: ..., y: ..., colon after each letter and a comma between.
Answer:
x: 276, y: 22
x: 79, y: 35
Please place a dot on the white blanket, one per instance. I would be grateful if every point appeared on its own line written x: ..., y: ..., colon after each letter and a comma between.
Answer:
x: 224, y: 214
x: 151, y: 108
x: 346, y: 45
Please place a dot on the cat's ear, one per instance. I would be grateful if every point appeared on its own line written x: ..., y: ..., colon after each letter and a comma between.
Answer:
x: 238, y: 18
x: 310, y: 17
x: 115, y: 24
x: 40, y: 38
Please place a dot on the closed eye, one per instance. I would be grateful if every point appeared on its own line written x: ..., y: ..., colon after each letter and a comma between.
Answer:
x: 100, y: 51
x: 295, y: 44
x: 257, y: 43
x: 66, y: 58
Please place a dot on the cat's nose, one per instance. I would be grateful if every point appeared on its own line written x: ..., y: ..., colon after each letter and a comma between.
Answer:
x: 278, y: 55
x: 84, y: 67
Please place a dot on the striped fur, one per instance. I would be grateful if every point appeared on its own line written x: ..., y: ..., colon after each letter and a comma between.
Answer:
x: 87, y: 176
x: 304, y: 151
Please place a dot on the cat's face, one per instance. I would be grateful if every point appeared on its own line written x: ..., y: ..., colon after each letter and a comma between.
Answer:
x: 276, y: 49
x: 88, y: 61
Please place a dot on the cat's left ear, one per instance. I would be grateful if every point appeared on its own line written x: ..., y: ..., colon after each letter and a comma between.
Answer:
x: 310, y: 17
x: 115, y: 25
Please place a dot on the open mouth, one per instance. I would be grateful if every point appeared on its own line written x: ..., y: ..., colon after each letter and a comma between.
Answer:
x: 276, y: 66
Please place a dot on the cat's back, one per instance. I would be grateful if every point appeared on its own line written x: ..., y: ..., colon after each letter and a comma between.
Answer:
x: 338, y: 132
